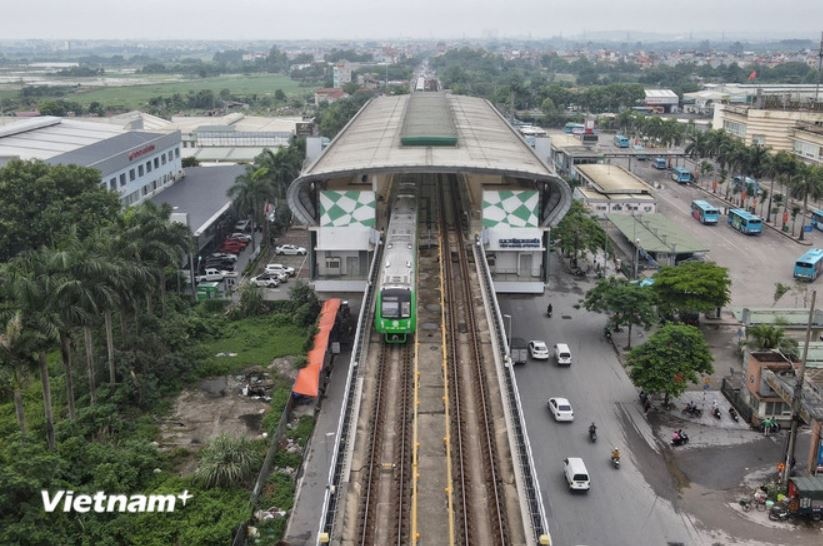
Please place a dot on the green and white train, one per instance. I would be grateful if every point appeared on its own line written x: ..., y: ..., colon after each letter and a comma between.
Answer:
x: 395, y: 315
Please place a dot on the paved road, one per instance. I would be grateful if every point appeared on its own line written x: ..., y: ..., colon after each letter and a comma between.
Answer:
x: 755, y: 263
x: 621, y: 508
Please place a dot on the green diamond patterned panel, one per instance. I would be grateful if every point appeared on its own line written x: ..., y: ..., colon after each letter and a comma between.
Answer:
x: 510, y: 208
x: 347, y: 208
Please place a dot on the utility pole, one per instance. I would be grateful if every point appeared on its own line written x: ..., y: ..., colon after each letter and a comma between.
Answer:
x: 797, y: 396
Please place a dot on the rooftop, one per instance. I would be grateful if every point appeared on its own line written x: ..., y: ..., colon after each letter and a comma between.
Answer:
x: 570, y: 143
x: 660, y: 94
x: 47, y: 136
x: 97, y: 152
x: 428, y: 121
x: 612, y: 179
x: 371, y: 143
x: 791, y: 318
x: 201, y: 194
x: 656, y: 234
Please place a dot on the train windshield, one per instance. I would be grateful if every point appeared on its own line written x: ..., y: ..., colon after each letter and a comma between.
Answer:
x: 396, y: 303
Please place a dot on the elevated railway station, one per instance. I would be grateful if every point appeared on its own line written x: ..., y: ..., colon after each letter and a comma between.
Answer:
x: 513, y: 197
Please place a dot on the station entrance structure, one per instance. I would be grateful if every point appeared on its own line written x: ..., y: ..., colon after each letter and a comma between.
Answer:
x: 344, y: 194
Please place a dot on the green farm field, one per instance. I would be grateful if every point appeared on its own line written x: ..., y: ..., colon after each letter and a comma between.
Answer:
x: 137, y: 96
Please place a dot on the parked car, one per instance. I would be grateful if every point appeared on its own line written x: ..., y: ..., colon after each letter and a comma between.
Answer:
x: 242, y: 225
x: 266, y: 280
x: 224, y: 256
x: 219, y: 263
x: 561, y: 409
x: 538, y: 350
x: 240, y: 237
x: 239, y: 242
x: 233, y: 247
x: 280, y: 268
x: 290, y: 250
x: 210, y: 275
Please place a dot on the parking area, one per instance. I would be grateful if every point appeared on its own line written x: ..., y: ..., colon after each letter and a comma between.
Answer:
x: 755, y: 263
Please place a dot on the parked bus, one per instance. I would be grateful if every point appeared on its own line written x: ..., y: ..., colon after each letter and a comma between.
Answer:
x: 704, y: 212
x: 809, y: 265
x: 817, y: 219
x: 745, y: 222
x: 621, y: 141
x: 660, y: 163
x: 681, y: 175
x: 574, y: 128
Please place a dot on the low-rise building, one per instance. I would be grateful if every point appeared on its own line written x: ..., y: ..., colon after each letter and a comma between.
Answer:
x: 661, y: 100
x: 567, y: 152
x: 329, y: 95
x: 774, y: 128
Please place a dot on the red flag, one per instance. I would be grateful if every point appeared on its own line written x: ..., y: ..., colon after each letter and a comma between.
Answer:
x: 753, y: 76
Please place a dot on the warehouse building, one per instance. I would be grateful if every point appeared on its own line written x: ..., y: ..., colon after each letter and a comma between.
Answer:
x: 135, y: 164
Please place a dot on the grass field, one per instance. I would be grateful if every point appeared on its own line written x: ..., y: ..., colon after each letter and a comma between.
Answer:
x: 256, y: 341
x: 137, y: 96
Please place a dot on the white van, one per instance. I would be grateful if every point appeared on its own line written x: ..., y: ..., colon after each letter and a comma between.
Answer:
x: 576, y: 474
x: 563, y: 354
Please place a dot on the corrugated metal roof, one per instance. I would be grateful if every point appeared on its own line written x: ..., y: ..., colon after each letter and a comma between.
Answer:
x: 372, y: 142
x: 656, y: 234
x: 100, y: 151
x: 46, y: 137
x: 660, y: 93
x: 428, y: 121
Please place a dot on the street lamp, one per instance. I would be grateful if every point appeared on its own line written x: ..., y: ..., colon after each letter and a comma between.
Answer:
x: 508, y: 319
x: 636, y: 256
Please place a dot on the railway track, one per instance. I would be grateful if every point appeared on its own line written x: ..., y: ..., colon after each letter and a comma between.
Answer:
x: 478, y: 496
x: 386, y: 493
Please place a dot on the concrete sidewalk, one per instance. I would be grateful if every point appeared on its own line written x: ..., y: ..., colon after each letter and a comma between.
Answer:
x: 311, y: 488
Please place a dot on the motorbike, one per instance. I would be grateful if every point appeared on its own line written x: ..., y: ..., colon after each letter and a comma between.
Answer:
x: 615, y: 461
x: 680, y: 439
x: 733, y: 414
x: 779, y: 512
x: 592, y: 434
x: 549, y: 312
x: 693, y: 410
x: 608, y: 333
x: 716, y: 413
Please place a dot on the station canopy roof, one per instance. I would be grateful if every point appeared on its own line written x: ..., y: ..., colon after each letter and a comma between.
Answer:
x: 612, y: 179
x: 656, y: 234
x: 483, y: 141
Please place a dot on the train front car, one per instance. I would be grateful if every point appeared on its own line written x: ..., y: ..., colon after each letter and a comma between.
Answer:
x: 396, y: 310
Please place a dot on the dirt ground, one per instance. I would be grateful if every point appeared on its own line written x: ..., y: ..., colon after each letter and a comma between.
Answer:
x: 215, y: 406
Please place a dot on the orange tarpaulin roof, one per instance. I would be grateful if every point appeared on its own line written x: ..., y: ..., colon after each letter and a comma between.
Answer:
x: 307, y: 382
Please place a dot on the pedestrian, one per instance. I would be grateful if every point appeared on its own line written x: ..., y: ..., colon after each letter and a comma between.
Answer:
x: 647, y: 406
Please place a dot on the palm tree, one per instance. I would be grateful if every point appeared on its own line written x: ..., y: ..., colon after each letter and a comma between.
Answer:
x: 250, y: 193
x: 807, y: 182
x: 771, y: 336
x: 31, y: 288
x: 706, y: 168
x: 784, y: 168
x: 16, y: 354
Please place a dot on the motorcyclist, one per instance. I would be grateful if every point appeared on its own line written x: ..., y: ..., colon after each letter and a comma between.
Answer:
x: 615, y: 454
x: 592, y: 428
x: 676, y: 436
x: 549, y: 310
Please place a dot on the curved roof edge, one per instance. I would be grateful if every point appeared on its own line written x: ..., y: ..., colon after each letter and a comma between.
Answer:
x: 558, y: 204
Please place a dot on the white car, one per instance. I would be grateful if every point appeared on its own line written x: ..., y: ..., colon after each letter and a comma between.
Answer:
x: 280, y: 268
x: 225, y: 256
x: 266, y: 280
x: 240, y: 237
x: 561, y: 409
x: 538, y: 350
x: 242, y: 225
x: 290, y: 250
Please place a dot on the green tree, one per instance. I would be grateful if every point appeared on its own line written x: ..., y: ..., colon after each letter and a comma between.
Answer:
x: 227, y: 461
x: 40, y: 202
x: 771, y: 336
x: 279, y: 95
x: 808, y: 182
x: 190, y: 161
x: 577, y: 231
x: 626, y: 303
x: 17, y: 347
x: 250, y: 193
x: 691, y: 287
x: 671, y: 358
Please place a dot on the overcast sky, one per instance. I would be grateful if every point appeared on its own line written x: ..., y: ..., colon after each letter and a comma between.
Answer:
x: 365, y: 19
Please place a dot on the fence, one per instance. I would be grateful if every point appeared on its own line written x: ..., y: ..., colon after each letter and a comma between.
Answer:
x: 733, y: 395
